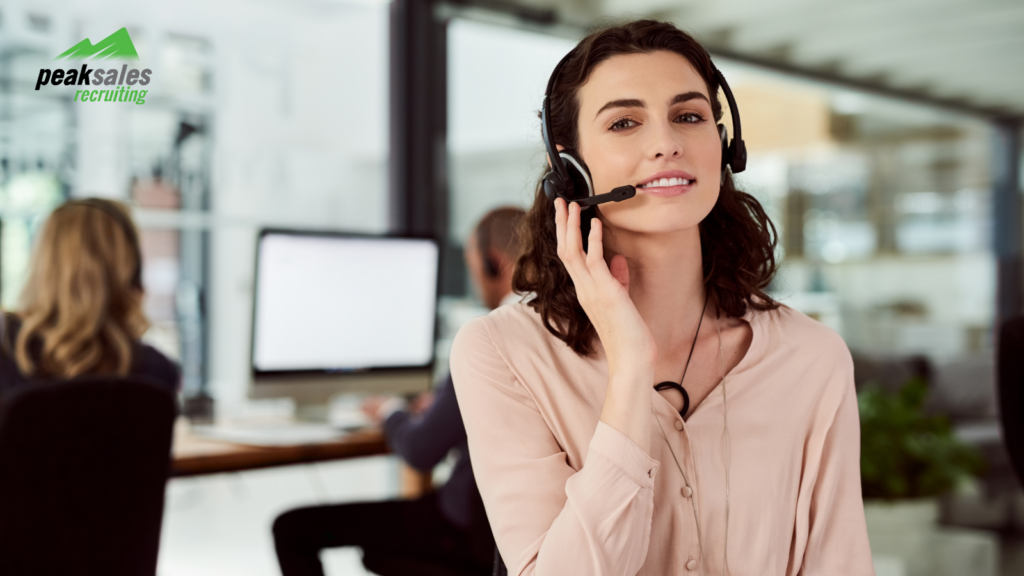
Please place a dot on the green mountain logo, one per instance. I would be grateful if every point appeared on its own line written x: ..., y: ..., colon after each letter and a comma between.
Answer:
x: 117, y: 46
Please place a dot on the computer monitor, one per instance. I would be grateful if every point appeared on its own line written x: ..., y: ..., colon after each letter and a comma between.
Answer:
x: 337, y: 312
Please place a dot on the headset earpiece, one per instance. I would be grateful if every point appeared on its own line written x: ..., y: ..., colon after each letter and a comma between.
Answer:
x: 738, y: 150
x: 491, y: 267
x: 579, y: 175
x: 553, y: 187
x: 556, y: 186
x: 483, y: 246
x: 734, y: 152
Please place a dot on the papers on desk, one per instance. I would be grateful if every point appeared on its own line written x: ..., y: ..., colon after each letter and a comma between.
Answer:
x: 276, y: 434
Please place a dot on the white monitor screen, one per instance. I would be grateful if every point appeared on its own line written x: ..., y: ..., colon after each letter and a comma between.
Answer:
x: 331, y: 302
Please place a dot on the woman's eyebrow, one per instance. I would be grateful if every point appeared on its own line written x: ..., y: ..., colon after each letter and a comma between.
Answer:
x: 687, y: 96
x: 631, y: 103
x: 634, y: 103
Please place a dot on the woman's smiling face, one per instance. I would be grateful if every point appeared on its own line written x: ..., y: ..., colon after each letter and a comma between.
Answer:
x: 644, y: 118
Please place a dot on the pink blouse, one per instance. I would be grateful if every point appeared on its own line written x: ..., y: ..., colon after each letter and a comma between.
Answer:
x: 567, y: 494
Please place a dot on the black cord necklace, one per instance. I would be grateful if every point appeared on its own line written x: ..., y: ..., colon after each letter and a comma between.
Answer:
x: 667, y: 385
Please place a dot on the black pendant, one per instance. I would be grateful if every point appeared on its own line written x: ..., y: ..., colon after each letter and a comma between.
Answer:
x: 673, y: 386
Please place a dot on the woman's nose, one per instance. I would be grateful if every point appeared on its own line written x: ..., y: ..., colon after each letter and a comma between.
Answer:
x: 663, y: 141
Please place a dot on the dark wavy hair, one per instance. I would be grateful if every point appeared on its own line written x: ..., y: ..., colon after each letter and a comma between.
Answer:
x: 737, y: 239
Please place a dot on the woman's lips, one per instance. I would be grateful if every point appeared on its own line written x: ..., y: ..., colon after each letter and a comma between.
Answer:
x: 667, y: 190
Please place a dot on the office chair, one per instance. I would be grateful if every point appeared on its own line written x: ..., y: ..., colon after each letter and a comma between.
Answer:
x: 83, y: 467
x: 405, y: 566
x: 1010, y: 366
x: 499, y: 564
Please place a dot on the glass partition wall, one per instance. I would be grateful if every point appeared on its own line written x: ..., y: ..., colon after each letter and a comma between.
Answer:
x: 883, y: 210
x: 495, y: 154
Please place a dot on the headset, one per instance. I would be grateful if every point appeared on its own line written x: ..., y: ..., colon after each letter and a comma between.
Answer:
x: 126, y: 226
x: 570, y: 176
x: 483, y: 245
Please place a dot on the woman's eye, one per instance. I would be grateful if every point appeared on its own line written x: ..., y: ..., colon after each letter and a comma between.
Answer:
x: 691, y: 117
x: 621, y: 124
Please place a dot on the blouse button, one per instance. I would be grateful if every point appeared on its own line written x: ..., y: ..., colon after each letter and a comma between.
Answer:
x: 679, y: 424
x: 691, y: 565
x: 686, y: 491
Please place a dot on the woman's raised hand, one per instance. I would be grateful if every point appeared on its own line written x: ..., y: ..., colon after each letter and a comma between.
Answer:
x: 603, y: 292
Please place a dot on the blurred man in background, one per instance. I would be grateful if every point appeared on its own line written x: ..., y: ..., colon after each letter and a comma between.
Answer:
x: 444, y: 532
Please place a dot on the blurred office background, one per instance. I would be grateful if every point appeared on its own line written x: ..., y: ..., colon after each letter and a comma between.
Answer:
x: 884, y: 140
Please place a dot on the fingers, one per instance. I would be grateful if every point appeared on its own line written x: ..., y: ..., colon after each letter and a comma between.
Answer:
x: 559, y: 226
x: 619, y: 269
x: 595, y: 251
x: 573, y: 236
x: 580, y: 264
x: 570, y: 241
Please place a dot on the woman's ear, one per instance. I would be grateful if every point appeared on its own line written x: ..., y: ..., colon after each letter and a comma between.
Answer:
x: 559, y: 148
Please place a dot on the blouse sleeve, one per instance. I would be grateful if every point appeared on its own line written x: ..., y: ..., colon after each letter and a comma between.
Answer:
x: 548, y: 518
x: 838, y: 538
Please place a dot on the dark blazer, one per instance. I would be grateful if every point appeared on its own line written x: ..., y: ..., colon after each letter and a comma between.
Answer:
x: 146, y: 360
x: 424, y: 440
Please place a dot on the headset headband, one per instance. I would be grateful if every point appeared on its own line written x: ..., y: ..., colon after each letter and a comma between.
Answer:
x: 546, y: 132
x: 483, y: 246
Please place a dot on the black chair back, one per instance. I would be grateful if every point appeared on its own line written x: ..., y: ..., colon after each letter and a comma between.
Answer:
x: 83, y: 468
x: 499, y: 564
x: 1010, y: 366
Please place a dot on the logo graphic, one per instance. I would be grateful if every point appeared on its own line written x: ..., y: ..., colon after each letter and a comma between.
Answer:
x: 117, y: 46
x: 124, y: 84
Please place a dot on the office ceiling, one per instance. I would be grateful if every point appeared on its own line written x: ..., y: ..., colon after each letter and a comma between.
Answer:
x: 968, y: 54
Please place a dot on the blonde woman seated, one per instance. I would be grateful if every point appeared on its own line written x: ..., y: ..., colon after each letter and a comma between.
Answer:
x: 81, y: 309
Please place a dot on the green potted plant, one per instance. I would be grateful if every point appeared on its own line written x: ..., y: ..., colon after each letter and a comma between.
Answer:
x: 908, y: 460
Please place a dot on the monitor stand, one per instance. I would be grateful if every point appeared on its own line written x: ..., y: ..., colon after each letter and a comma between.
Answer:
x: 307, y: 411
x: 313, y: 394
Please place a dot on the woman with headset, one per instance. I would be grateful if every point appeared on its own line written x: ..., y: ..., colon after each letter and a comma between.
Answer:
x: 652, y: 410
x: 81, y: 308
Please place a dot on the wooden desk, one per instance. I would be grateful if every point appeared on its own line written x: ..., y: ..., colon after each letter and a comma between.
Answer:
x: 194, y: 456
